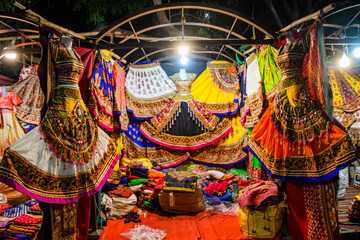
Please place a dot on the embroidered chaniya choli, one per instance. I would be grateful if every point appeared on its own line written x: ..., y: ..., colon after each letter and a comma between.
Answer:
x: 10, y: 128
x: 107, y: 93
x: 294, y: 140
x: 32, y: 97
x: 218, y: 88
x: 185, y: 124
x: 68, y: 156
x: 148, y: 90
x: 345, y: 86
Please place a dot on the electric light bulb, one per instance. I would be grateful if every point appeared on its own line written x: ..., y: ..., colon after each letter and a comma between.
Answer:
x: 344, y: 61
x: 357, y: 52
x: 184, y: 60
x: 183, y: 50
x: 10, y: 55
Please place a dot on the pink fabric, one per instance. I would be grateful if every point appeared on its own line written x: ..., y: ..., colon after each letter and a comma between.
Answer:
x: 87, y: 58
x: 120, y: 99
x: 256, y: 193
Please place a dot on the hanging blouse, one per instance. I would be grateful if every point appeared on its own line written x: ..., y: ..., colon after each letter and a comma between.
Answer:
x: 148, y: 90
x: 218, y: 88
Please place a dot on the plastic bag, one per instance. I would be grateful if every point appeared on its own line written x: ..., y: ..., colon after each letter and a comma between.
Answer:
x: 224, y: 207
x: 144, y: 233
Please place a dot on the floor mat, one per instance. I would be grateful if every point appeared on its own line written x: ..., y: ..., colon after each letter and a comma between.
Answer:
x: 344, y: 205
x: 205, y: 225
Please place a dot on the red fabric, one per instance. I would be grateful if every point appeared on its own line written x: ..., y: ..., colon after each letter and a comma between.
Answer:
x: 296, y: 217
x: 87, y: 58
x: 256, y: 193
x: 122, y: 191
x: 132, y: 176
x: 83, y: 217
x: 216, y: 187
x: 204, y: 226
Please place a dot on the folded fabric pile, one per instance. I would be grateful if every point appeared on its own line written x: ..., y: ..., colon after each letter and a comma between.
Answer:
x: 21, y: 222
x: 118, y: 202
x: 354, y: 210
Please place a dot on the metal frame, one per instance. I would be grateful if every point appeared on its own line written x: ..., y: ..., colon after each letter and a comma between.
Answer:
x: 180, y: 6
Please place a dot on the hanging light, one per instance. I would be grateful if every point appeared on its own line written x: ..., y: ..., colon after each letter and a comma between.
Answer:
x: 344, y: 61
x: 357, y: 52
x: 10, y: 51
x: 184, y: 60
x: 183, y: 50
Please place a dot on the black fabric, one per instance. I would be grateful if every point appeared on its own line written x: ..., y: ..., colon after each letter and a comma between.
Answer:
x: 184, y: 125
x: 138, y: 173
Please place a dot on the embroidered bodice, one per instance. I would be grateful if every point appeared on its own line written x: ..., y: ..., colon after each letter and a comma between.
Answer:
x: 8, y: 101
x: 68, y: 65
x: 290, y: 61
x: 183, y: 86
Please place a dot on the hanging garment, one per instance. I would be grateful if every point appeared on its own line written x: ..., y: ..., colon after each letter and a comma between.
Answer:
x: 32, y: 97
x: 346, y: 100
x: 228, y: 150
x: 254, y: 101
x: 68, y: 156
x: 102, y: 87
x: 218, y: 88
x: 185, y: 124
x: 10, y: 128
x: 136, y: 145
x: 294, y: 140
x: 120, y: 110
x: 269, y: 70
x: 313, y: 210
x: 148, y: 90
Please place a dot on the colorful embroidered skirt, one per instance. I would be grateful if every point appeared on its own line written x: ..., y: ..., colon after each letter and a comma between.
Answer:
x: 228, y: 151
x: 217, y: 88
x: 10, y: 130
x: 32, y: 168
x: 312, y: 210
x: 318, y: 157
x: 148, y: 90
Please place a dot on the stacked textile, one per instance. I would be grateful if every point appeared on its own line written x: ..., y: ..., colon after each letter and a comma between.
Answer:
x: 21, y: 222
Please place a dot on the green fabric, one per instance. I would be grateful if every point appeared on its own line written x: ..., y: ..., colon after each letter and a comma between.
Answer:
x: 255, y: 163
x: 269, y: 70
x: 135, y: 182
x: 238, y: 172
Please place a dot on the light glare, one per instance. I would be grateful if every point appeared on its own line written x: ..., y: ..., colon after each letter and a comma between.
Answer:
x: 10, y: 55
x: 344, y: 61
x: 357, y: 52
x: 184, y: 60
x: 183, y: 50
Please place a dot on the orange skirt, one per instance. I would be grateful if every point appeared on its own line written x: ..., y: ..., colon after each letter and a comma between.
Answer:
x: 310, y: 161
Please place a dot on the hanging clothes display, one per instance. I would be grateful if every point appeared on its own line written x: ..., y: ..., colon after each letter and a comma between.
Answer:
x: 102, y: 87
x: 185, y: 124
x: 32, y: 97
x: 138, y: 146
x: 68, y: 156
x: 120, y: 110
x: 228, y: 150
x: 293, y: 139
x: 254, y: 101
x: 148, y: 90
x: 218, y: 88
x: 10, y: 128
x: 269, y: 70
x: 346, y: 100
